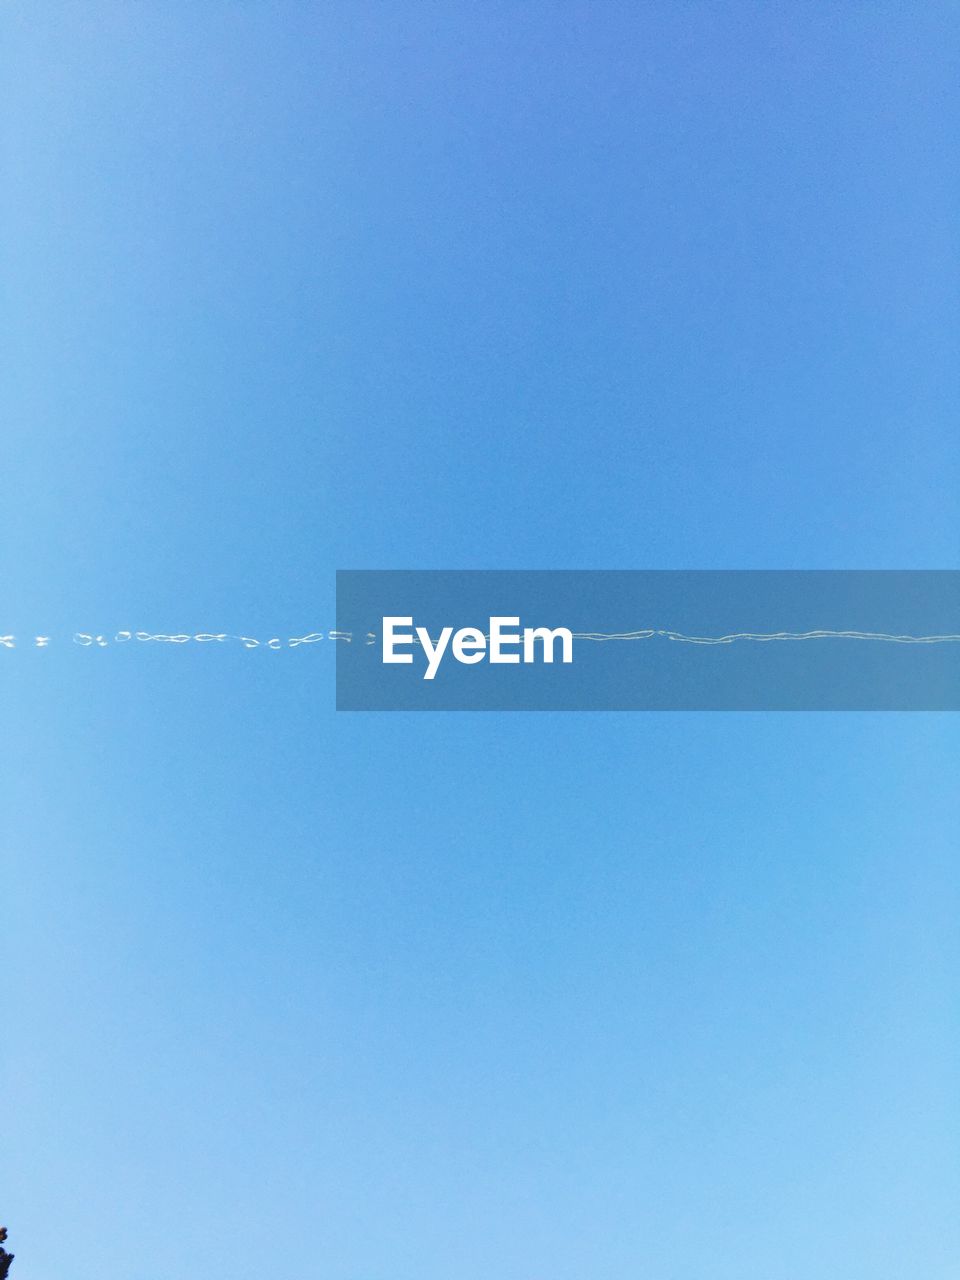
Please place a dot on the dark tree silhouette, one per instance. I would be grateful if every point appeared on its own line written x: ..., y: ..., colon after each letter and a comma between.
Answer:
x: 5, y: 1258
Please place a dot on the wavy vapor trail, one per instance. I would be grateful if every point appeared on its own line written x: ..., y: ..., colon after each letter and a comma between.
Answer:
x: 681, y: 637
x: 650, y: 633
x: 763, y: 637
x: 88, y: 639
x: 615, y: 635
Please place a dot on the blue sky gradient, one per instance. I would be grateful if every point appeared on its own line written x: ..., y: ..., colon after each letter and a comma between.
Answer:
x: 299, y: 287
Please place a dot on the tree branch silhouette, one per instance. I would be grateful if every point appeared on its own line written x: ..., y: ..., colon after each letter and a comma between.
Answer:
x: 5, y: 1258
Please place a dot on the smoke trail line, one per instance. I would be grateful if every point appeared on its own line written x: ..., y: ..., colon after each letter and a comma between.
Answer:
x: 101, y: 640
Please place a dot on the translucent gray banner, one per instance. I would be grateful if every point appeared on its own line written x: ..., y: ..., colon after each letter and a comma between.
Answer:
x: 648, y: 640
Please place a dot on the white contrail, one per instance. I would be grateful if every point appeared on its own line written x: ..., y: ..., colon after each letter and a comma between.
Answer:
x: 764, y: 636
x: 101, y: 641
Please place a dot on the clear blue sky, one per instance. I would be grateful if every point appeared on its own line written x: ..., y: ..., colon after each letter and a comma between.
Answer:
x: 293, y: 287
